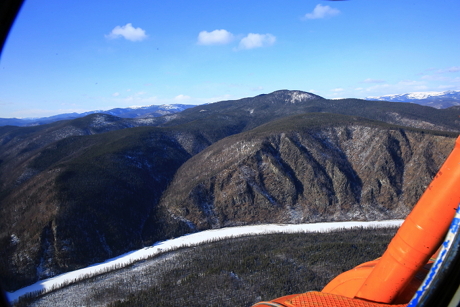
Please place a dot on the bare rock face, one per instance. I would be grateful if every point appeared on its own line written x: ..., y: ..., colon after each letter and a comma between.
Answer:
x: 348, y: 172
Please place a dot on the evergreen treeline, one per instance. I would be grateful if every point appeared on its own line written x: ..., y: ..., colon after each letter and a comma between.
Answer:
x: 235, y: 272
x: 241, y: 272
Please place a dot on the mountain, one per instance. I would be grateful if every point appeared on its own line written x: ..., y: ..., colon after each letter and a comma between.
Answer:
x: 79, y: 191
x: 312, y: 167
x: 438, y: 100
x: 132, y: 112
x: 248, y: 113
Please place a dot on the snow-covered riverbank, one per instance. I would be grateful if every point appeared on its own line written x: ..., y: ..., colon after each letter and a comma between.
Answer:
x: 189, y: 240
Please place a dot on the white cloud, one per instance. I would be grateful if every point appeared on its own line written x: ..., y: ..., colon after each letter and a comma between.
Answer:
x: 448, y: 87
x: 411, y: 83
x: 34, y: 113
x: 436, y: 77
x: 216, y: 37
x: 379, y: 88
x: 135, y: 100
x: 182, y: 97
x: 128, y: 32
x: 337, y: 90
x: 322, y: 11
x: 253, y: 40
x: 401, y: 87
x: 447, y: 70
x: 116, y: 94
x: 454, y: 69
x: 369, y: 80
x: 140, y: 101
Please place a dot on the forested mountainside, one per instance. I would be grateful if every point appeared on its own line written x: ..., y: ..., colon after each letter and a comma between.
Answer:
x: 290, y: 171
x: 261, y: 109
x: 76, y: 192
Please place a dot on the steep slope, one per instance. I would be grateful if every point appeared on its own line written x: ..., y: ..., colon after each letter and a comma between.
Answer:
x: 18, y: 145
x: 85, y: 198
x: 77, y: 192
x: 307, y: 168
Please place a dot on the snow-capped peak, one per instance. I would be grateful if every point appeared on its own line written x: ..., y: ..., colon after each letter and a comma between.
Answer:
x: 423, y: 95
x: 438, y: 100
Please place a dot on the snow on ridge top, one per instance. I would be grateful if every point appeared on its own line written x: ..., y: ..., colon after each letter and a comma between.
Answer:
x: 138, y: 107
x: 172, y: 107
x: 164, y: 106
x: 380, y: 97
x: 423, y: 95
x: 415, y: 96
x: 299, y: 96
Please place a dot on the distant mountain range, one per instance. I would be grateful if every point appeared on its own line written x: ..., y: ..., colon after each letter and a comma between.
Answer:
x: 438, y: 100
x: 131, y: 112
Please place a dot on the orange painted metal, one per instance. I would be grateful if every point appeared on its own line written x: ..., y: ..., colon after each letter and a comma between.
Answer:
x: 348, y: 283
x: 320, y: 299
x: 419, y: 236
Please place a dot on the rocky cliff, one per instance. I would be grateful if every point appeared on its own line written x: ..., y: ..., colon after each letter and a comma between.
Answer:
x: 344, y: 171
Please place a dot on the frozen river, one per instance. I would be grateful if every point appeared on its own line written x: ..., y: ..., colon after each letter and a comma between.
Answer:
x: 189, y: 240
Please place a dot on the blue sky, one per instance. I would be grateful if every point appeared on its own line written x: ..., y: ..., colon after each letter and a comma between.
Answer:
x: 76, y: 56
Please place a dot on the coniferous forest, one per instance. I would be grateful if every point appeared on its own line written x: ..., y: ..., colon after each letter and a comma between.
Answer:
x: 235, y: 272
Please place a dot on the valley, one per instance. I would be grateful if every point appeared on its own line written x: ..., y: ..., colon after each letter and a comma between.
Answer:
x: 77, y: 192
x: 173, y: 266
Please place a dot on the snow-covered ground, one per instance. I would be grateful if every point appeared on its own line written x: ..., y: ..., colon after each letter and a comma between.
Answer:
x: 189, y: 240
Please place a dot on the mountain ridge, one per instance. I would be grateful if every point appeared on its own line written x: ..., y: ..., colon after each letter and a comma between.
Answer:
x: 246, y: 172
x: 80, y: 191
x: 129, y: 112
x: 438, y: 100
x: 262, y: 108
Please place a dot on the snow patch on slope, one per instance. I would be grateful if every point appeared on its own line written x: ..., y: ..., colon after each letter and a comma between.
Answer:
x: 299, y: 96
